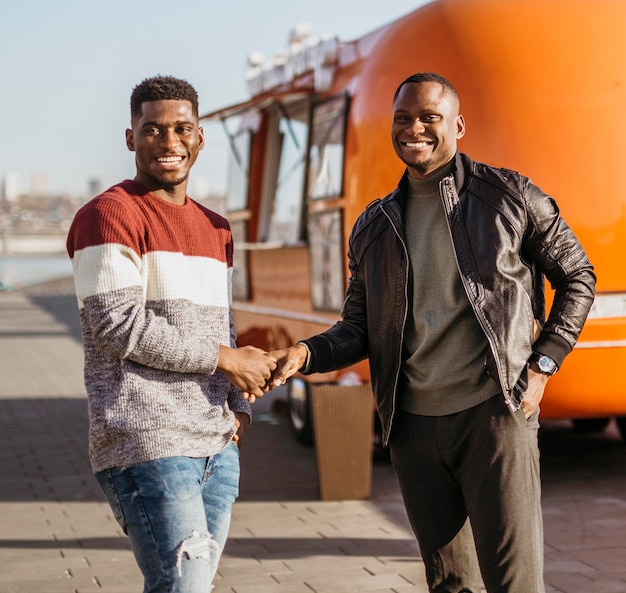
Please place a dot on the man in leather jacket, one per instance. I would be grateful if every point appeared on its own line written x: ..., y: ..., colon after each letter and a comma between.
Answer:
x: 446, y: 299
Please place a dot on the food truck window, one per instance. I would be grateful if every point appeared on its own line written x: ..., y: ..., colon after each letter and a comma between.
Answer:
x: 326, y: 260
x: 285, y: 223
x: 325, y: 180
x: 238, y: 167
x: 328, y: 130
x: 236, y: 204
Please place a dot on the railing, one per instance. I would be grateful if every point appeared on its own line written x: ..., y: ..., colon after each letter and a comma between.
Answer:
x: 20, y: 242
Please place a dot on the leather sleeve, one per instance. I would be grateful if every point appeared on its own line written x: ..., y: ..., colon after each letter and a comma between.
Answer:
x: 554, y: 248
x: 346, y: 342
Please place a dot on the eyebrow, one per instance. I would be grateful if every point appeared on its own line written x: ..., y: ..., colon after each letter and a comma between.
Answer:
x: 159, y: 123
x: 427, y: 111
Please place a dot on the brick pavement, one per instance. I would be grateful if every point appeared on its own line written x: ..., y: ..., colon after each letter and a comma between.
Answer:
x: 58, y: 536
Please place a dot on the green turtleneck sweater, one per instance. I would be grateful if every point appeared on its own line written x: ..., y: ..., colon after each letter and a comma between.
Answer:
x: 443, y: 369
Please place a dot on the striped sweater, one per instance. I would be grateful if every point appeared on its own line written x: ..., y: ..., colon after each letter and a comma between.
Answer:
x: 153, y: 283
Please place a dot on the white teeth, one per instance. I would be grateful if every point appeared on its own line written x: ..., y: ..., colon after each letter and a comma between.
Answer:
x: 170, y: 159
x: 416, y: 144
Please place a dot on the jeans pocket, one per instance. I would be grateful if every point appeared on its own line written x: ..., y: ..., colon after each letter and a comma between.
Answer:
x: 105, y: 479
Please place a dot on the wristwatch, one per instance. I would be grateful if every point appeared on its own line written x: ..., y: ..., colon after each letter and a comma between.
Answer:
x: 546, y: 365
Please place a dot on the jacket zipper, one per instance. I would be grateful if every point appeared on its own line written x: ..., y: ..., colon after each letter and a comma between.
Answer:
x: 406, y: 309
x: 444, y: 191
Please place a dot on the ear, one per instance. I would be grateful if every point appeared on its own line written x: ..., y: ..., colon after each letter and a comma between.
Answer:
x: 130, y: 140
x: 200, y: 138
x: 460, y: 127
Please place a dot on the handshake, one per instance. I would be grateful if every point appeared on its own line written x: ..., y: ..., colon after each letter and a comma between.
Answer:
x: 256, y: 372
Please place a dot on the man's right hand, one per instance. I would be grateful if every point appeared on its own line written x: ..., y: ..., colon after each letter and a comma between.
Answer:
x: 247, y: 368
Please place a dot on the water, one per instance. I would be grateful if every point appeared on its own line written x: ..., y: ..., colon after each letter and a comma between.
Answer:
x: 18, y: 271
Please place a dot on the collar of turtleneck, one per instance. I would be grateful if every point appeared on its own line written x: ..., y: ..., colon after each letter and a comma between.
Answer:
x: 430, y: 185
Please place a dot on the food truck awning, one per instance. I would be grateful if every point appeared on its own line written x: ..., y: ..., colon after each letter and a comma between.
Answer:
x: 256, y: 104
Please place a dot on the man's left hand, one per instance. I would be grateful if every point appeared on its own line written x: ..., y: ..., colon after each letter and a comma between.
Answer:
x: 242, y: 420
x: 534, y: 392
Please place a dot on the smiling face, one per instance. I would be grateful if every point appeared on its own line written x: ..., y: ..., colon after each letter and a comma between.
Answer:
x: 426, y: 126
x: 166, y: 139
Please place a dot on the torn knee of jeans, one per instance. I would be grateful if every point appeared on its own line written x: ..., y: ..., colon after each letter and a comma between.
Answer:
x: 199, y: 546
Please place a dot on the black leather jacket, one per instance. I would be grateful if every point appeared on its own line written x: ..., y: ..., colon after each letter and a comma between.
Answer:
x: 507, y: 234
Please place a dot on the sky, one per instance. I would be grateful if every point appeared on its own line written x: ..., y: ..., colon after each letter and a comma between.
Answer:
x: 68, y: 68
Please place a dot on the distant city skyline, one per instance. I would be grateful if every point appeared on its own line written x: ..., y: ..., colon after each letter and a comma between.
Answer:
x: 12, y: 186
x: 69, y: 67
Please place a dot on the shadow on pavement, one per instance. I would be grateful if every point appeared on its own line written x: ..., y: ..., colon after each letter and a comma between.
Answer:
x: 94, y: 543
x: 58, y: 298
x: 64, y: 309
x: 265, y: 548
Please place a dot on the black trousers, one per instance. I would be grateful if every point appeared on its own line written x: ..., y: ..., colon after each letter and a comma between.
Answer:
x: 471, y: 487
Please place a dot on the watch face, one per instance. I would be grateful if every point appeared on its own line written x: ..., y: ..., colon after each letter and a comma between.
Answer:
x: 546, y: 364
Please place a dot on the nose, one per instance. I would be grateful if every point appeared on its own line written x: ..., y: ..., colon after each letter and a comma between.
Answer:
x: 416, y: 127
x: 169, y: 138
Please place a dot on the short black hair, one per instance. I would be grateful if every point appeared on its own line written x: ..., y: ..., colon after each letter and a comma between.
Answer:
x: 427, y: 77
x: 162, y: 88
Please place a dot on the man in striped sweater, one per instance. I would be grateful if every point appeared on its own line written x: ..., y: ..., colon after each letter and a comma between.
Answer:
x: 165, y: 381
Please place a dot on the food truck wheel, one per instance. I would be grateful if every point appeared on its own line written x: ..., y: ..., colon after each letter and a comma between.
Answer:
x: 589, y: 425
x: 299, y: 399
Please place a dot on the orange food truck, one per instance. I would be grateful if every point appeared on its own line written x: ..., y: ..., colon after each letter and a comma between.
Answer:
x: 543, y: 91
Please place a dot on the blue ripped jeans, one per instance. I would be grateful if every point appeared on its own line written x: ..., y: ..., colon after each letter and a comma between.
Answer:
x: 176, y: 512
